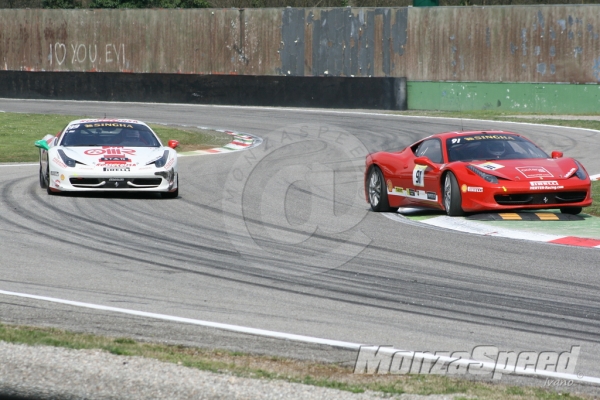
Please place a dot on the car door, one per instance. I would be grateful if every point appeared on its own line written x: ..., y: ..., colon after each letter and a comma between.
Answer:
x: 423, y: 181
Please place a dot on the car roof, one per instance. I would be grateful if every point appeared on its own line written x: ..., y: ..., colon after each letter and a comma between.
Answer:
x: 92, y: 120
x: 449, y: 135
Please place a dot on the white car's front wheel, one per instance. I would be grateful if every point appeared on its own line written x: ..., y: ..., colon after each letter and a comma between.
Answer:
x: 43, y: 179
x: 171, y: 195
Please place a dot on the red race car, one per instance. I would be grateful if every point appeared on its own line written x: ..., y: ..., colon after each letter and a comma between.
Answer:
x: 475, y: 171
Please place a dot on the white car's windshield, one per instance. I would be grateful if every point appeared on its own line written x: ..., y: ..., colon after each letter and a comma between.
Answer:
x: 109, y: 134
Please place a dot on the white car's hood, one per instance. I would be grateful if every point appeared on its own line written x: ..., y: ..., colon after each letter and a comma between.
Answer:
x: 109, y: 156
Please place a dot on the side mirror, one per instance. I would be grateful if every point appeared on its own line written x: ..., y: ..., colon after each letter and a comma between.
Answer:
x: 173, y: 143
x: 557, y: 154
x: 42, y: 144
x: 426, y: 161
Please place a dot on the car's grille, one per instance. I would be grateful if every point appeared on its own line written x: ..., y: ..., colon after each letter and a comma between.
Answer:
x: 146, y: 181
x: 115, y: 183
x: 540, y: 198
x: 84, y: 181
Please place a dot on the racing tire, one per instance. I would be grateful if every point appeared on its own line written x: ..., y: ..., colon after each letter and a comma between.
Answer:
x: 171, y: 195
x: 43, y: 182
x: 571, y: 210
x: 48, y: 190
x: 376, y: 188
x: 451, y: 196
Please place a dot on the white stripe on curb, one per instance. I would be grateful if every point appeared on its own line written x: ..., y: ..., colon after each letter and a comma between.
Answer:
x: 488, y: 366
x: 595, y: 177
x: 474, y: 227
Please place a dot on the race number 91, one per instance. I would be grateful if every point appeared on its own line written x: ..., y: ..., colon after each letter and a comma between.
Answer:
x: 419, y: 175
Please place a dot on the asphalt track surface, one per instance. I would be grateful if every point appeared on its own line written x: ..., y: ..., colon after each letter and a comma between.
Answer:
x: 280, y: 237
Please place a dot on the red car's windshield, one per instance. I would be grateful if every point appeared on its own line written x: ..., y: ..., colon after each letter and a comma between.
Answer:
x: 491, y: 147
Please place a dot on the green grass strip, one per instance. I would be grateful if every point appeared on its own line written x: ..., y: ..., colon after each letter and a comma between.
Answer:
x: 278, y: 368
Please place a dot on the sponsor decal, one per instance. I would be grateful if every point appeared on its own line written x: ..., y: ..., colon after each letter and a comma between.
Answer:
x: 62, y: 177
x: 490, y: 166
x: 419, y: 194
x: 56, y: 160
x: 54, y: 173
x: 464, y: 188
x: 115, y: 164
x: 571, y: 172
x: 488, y: 137
x: 535, y: 172
x: 389, y: 185
x: 475, y: 189
x: 172, y: 160
x: 108, y: 124
x: 545, y: 185
x: 115, y: 160
x: 57, y: 183
x: 503, y: 188
x: 419, y: 175
x: 110, y: 150
x: 116, y: 179
x: 108, y: 169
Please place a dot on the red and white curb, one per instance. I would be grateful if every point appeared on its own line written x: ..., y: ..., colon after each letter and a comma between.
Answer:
x: 466, y: 226
x: 241, y: 141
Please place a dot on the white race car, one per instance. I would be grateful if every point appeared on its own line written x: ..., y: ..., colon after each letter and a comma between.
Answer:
x: 108, y: 155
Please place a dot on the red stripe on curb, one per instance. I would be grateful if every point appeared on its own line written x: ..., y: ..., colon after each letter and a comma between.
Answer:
x: 577, y: 241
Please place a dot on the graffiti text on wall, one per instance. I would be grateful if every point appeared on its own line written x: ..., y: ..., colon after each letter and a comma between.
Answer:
x: 79, y: 53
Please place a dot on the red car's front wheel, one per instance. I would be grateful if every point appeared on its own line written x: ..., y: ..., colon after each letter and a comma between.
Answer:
x: 451, y: 195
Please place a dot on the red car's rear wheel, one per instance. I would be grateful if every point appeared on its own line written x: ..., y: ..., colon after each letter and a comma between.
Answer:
x: 377, y: 191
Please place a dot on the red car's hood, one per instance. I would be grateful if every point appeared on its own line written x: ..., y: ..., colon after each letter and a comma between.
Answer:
x: 533, y: 169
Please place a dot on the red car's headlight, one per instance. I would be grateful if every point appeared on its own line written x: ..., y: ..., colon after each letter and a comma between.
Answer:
x: 487, y: 177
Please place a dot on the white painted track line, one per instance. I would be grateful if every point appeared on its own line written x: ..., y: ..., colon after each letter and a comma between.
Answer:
x: 488, y: 366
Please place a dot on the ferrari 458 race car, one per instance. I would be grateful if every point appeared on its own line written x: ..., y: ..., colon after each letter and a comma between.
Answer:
x: 108, y: 155
x: 475, y: 171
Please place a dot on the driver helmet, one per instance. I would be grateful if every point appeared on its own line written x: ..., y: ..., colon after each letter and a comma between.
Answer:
x: 496, y: 148
x: 132, y: 134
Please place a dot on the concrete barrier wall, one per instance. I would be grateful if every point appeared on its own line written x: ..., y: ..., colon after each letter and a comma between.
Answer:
x: 454, y: 58
x: 487, y: 44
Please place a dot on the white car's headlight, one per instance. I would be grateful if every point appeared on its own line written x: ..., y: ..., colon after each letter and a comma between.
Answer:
x: 66, y: 159
x: 163, y: 160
